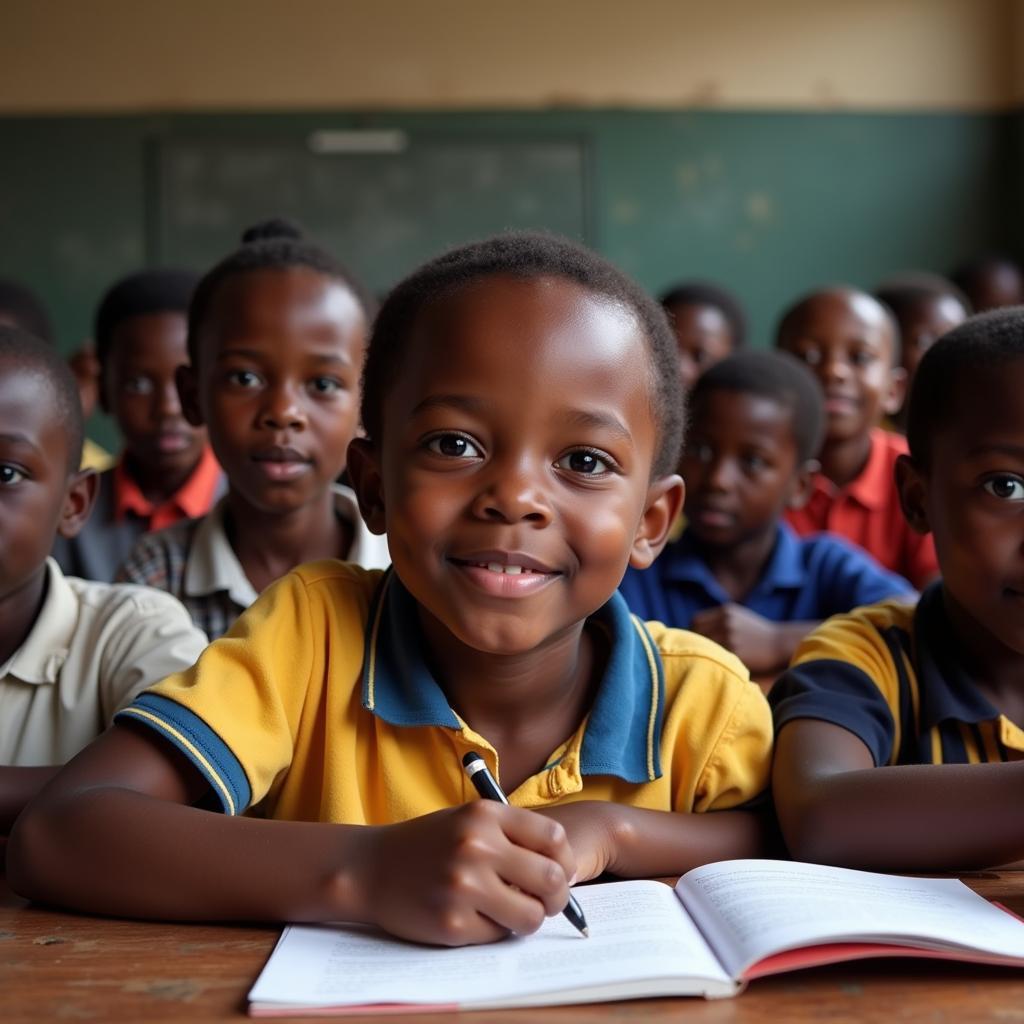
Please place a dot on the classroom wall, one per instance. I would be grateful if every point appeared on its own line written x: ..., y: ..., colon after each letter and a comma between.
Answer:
x: 111, y: 55
x: 769, y: 146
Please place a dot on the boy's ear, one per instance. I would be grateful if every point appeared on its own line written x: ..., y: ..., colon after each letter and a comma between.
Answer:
x: 913, y: 489
x: 188, y: 394
x: 664, y: 503
x: 78, y: 501
x: 364, y: 473
x: 893, y: 401
x: 803, y: 485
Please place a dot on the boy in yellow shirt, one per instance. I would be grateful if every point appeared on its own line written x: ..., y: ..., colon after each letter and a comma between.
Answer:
x: 523, y: 419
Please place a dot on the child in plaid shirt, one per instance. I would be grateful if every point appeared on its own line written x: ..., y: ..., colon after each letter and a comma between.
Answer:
x: 277, y: 333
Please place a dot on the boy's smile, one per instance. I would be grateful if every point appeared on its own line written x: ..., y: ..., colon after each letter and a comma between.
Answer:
x: 515, y: 460
x: 278, y: 383
x: 846, y: 338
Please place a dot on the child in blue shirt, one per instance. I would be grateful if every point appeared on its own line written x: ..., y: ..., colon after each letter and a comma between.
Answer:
x: 739, y: 574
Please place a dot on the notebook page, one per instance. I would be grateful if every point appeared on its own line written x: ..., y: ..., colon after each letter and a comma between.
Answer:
x: 637, y: 931
x: 751, y: 909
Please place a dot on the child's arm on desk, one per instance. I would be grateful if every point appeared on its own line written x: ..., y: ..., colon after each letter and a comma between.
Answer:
x: 836, y: 807
x: 17, y: 787
x: 114, y: 833
x: 634, y: 842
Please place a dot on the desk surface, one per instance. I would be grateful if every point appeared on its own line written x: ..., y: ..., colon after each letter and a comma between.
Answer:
x: 57, y: 966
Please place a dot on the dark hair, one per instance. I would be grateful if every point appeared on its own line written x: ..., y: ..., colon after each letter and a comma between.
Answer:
x: 526, y: 255
x: 791, y: 318
x: 34, y: 355
x: 778, y: 376
x: 148, y: 291
x: 26, y: 309
x: 275, y: 244
x: 983, y: 342
x: 968, y: 275
x: 902, y: 292
x: 703, y: 293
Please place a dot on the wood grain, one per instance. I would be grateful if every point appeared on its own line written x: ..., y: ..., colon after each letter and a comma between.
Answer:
x: 56, y: 966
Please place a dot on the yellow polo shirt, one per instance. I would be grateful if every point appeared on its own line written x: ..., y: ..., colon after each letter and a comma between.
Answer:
x: 319, y: 706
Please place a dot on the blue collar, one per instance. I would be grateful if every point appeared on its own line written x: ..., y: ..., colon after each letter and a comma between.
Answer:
x: 623, y: 731
x: 783, y: 571
x: 944, y: 685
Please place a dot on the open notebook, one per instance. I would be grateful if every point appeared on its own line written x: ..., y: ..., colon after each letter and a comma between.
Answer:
x: 723, y: 925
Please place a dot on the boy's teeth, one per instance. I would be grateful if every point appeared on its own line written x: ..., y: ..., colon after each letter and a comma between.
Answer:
x: 509, y: 570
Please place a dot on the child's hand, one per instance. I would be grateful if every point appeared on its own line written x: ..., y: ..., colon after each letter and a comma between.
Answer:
x: 593, y: 827
x: 466, y: 875
x: 752, y: 638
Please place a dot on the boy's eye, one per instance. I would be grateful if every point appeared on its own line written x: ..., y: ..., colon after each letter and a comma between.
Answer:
x: 754, y: 463
x: 244, y: 378
x: 1007, y: 488
x: 584, y: 462
x: 811, y: 356
x: 325, y: 385
x: 862, y: 357
x: 453, y: 446
x: 137, y: 386
x: 10, y: 476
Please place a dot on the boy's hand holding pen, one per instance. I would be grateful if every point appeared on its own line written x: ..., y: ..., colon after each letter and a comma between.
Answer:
x: 464, y: 875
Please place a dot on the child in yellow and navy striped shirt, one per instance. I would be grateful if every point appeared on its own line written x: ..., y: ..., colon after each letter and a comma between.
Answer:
x: 899, y: 739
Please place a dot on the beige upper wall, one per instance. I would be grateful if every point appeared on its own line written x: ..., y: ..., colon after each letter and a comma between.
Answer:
x: 128, y: 55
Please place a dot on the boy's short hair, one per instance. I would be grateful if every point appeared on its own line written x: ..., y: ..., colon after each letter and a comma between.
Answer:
x: 970, y: 273
x: 778, y: 376
x: 275, y: 244
x: 26, y: 309
x: 34, y: 355
x: 984, y: 341
x: 703, y: 293
x: 904, y: 291
x: 790, y: 319
x: 140, y: 294
x: 527, y: 255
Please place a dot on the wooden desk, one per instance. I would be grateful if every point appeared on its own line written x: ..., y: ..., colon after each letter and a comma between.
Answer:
x: 56, y: 966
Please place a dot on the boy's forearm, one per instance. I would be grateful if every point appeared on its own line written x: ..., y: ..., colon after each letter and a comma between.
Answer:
x: 17, y: 787
x: 909, y: 817
x: 649, y: 844
x: 787, y: 638
x: 120, y: 852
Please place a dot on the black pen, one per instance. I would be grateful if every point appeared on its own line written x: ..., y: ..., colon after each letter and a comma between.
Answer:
x: 488, y: 788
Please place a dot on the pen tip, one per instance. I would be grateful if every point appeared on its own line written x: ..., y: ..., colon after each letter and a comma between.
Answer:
x: 585, y: 933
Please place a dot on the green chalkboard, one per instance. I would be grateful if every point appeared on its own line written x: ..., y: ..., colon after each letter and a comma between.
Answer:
x: 383, y: 213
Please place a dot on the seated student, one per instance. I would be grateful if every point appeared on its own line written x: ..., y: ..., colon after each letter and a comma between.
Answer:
x: 166, y: 471
x: 708, y: 323
x: 21, y: 307
x: 926, y: 306
x: 523, y: 419
x: 886, y: 712
x: 990, y: 282
x: 851, y: 343
x: 738, y: 574
x: 72, y: 653
x: 277, y: 333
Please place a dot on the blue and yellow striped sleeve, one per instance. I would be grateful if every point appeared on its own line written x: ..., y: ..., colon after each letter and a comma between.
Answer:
x: 235, y: 714
x: 848, y: 672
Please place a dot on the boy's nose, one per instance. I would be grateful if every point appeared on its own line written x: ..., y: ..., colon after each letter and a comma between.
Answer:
x: 282, y: 410
x: 169, y: 403
x: 513, y: 496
